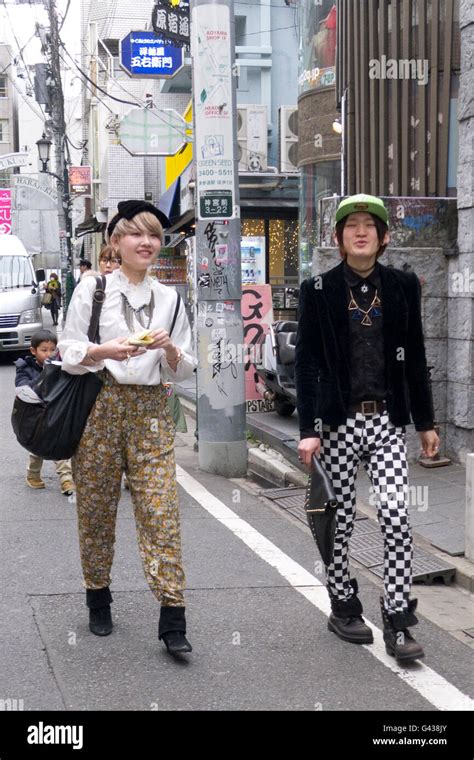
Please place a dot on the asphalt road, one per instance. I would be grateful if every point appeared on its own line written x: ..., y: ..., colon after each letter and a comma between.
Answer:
x: 256, y: 611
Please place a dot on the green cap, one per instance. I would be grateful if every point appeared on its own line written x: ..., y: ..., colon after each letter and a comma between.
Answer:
x: 362, y: 202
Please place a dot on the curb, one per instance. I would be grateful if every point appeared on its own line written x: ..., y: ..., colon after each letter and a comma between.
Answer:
x: 464, y: 569
x: 283, y: 468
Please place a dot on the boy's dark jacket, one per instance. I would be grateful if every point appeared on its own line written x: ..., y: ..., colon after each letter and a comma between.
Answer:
x: 27, y: 370
x: 323, y: 381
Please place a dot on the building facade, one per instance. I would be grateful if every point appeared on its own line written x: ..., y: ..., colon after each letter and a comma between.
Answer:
x: 266, y: 68
x: 402, y: 94
x: 8, y: 111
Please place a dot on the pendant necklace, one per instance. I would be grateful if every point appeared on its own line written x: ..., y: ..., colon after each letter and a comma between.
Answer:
x: 363, y: 315
x: 143, y: 312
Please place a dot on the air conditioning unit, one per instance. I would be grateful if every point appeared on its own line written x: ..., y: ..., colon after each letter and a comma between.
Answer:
x: 252, y: 138
x: 288, y: 119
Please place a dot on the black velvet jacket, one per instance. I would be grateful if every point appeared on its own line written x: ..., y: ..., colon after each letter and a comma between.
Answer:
x: 323, y: 382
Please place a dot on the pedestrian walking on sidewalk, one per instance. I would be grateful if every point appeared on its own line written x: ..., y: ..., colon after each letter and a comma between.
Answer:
x: 53, y: 287
x: 130, y: 428
x: 108, y: 260
x: 360, y: 373
x: 43, y: 346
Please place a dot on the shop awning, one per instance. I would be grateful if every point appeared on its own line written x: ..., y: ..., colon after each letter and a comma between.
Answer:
x: 268, y: 203
x: 89, y: 226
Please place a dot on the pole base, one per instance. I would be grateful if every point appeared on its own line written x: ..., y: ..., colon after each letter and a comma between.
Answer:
x: 226, y: 458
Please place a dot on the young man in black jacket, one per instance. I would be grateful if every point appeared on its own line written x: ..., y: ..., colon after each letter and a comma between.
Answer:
x: 360, y: 373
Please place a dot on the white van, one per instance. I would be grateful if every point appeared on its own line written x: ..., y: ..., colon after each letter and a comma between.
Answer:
x: 20, y: 298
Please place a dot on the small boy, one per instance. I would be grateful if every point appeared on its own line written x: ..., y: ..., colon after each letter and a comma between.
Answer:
x: 43, y: 346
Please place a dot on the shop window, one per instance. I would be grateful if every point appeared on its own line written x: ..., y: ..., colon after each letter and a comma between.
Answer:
x: 283, y: 251
x: 253, y: 251
x: 252, y: 227
x: 4, y: 131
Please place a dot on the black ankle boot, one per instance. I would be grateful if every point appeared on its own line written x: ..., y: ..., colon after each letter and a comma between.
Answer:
x: 346, y: 619
x: 172, y: 629
x: 399, y: 642
x: 100, y: 618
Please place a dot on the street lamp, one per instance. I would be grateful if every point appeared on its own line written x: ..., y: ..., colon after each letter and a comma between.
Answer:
x: 44, y: 148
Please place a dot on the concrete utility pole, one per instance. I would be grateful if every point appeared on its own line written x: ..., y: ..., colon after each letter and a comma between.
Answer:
x: 221, y: 376
x: 59, y: 134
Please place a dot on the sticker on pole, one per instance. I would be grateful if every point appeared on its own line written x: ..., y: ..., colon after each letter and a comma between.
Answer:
x: 215, y: 204
x: 213, y: 117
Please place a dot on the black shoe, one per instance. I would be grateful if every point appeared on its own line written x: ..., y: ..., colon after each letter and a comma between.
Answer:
x: 399, y: 642
x: 176, y: 642
x: 100, y: 621
x: 346, y: 619
x: 172, y: 629
x: 351, y: 629
x: 100, y: 617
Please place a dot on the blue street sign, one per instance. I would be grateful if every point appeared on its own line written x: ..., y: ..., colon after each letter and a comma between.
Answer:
x: 144, y: 54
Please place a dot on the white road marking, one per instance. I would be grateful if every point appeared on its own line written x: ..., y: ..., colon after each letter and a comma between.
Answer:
x: 433, y: 687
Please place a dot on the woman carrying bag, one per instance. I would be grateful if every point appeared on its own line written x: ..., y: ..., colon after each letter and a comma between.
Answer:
x: 130, y: 428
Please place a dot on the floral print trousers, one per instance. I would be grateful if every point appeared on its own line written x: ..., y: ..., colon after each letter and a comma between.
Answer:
x: 130, y: 430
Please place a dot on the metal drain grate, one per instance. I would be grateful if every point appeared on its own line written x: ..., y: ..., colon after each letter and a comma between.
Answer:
x: 277, y: 494
x: 426, y: 569
x: 366, y: 544
x: 365, y: 541
x: 369, y: 557
x: 363, y: 525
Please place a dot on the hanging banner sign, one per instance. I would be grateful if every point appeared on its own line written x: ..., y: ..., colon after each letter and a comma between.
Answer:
x: 170, y: 21
x: 144, y: 54
x: 80, y: 181
x: 214, y: 155
x: 11, y: 160
x: 5, y: 212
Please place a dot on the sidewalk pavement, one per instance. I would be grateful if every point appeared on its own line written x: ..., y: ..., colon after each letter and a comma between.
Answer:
x: 437, y: 495
x: 255, y: 600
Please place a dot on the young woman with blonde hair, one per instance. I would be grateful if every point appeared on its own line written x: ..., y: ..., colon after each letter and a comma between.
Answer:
x: 130, y: 428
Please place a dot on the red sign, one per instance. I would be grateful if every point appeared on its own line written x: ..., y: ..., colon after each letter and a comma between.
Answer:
x: 80, y: 181
x: 257, y: 315
x: 5, y: 212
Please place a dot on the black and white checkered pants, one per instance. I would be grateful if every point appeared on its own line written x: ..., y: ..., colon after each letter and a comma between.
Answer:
x: 380, y: 446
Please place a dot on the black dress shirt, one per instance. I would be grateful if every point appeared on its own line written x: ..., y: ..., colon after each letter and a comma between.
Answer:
x: 366, y: 341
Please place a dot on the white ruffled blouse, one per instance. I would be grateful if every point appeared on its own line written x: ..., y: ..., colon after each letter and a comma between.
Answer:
x: 149, y: 368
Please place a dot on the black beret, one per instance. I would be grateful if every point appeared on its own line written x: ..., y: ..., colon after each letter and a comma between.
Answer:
x: 129, y: 209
